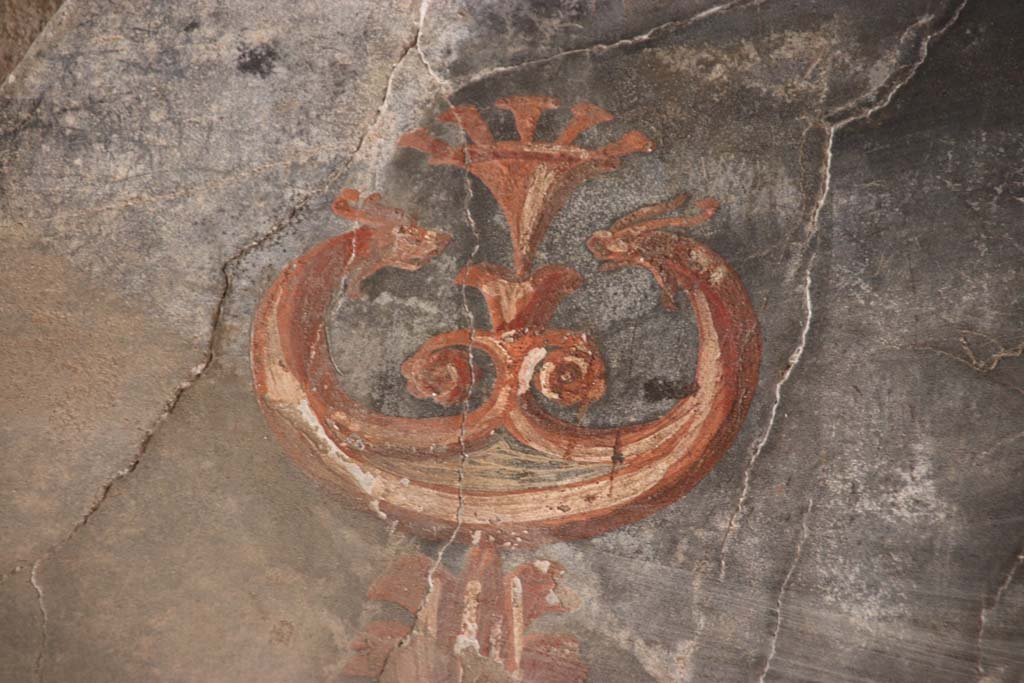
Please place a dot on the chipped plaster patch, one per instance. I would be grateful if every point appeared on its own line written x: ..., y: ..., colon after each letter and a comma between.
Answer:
x: 364, y: 479
x: 530, y: 362
x: 422, y: 305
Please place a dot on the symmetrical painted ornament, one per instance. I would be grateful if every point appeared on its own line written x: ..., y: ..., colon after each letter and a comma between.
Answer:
x: 460, y: 472
x: 507, y: 470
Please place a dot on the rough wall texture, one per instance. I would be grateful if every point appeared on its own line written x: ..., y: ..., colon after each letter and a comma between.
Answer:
x: 161, y: 164
x: 20, y: 23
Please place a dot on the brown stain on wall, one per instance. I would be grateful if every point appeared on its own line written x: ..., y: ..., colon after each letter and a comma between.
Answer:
x: 20, y: 23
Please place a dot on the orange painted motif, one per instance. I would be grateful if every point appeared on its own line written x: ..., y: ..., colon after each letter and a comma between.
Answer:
x: 575, y: 481
x: 506, y: 471
x: 474, y: 626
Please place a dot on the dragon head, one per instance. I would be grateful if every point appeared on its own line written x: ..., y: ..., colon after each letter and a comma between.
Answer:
x: 386, y: 237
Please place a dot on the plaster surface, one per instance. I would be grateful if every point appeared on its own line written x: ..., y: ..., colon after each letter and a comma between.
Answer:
x: 159, y: 168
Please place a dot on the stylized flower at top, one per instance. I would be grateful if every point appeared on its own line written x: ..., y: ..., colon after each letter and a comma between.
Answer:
x: 530, y: 180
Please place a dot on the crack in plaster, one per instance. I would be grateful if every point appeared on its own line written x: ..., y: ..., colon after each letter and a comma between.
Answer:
x: 986, y: 609
x: 773, y: 643
x: 598, y: 48
x: 831, y: 123
x: 880, y: 99
x: 971, y: 359
x: 995, y: 359
x: 794, y: 359
x: 290, y: 219
x: 44, y: 621
x: 446, y: 93
x: 446, y: 87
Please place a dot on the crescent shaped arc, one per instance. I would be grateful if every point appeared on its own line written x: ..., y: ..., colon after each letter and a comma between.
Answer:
x: 728, y: 361
x: 331, y: 436
x: 289, y: 345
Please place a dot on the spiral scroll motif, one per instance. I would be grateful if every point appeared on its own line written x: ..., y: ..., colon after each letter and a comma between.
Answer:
x: 444, y: 376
